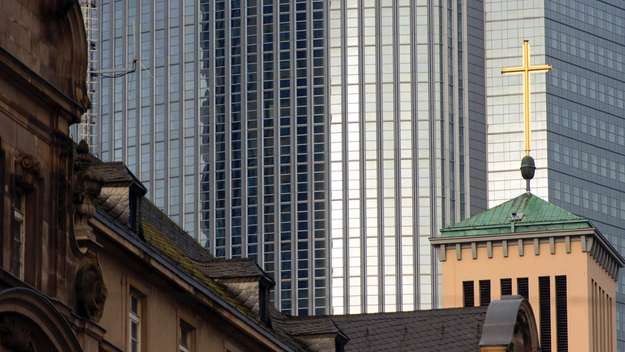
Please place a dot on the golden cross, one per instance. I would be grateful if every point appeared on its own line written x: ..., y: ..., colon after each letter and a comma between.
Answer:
x: 526, y: 69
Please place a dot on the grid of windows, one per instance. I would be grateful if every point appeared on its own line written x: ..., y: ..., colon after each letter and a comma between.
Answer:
x: 400, y: 159
x: 147, y: 106
x: 577, y: 125
x: 268, y: 139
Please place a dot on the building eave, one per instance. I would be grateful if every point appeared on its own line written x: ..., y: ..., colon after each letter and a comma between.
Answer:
x: 161, y: 264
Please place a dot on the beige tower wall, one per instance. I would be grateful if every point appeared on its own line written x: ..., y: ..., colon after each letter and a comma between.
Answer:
x: 578, y: 266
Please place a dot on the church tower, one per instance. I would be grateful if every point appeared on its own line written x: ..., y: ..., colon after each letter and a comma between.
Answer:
x: 529, y: 247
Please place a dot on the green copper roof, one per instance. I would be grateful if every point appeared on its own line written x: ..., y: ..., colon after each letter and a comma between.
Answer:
x: 531, y: 214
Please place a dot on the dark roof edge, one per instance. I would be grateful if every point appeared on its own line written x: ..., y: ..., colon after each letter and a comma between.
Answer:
x: 191, y: 281
x: 608, y: 245
x: 538, y: 234
x: 518, y: 224
x: 507, y: 236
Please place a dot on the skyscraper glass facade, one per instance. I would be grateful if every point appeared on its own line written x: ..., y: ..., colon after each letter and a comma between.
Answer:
x: 406, y: 144
x: 264, y: 130
x: 577, y: 109
x: 147, y: 98
x: 219, y: 108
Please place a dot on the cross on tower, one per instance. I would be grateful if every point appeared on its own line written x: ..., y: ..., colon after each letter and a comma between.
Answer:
x: 526, y: 69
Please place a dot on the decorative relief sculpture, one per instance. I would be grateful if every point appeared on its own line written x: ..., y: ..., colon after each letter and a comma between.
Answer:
x: 87, y: 186
x: 91, y: 291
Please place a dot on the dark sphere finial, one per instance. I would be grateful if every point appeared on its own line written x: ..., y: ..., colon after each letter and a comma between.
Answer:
x: 528, y: 168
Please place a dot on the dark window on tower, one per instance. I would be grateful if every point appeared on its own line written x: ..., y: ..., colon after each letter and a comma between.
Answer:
x: 468, y: 294
x: 506, y: 287
x: 522, y: 287
x: 545, y: 313
x: 484, y: 293
x: 562, y: 328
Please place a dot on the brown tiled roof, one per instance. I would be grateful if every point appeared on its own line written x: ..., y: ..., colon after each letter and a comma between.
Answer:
x: 448, y: 330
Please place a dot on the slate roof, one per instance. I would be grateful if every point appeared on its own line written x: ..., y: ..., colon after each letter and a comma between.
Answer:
x: 533, y: 214
x: 115, y: 172
x: 154, y: 219
x: 438, y: 330
x: 305, y: 326
x: 231, y: 268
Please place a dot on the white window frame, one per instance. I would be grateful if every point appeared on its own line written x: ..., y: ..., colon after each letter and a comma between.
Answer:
x: 134, y: 318
x: 19, y: 215
x: 181, y: 325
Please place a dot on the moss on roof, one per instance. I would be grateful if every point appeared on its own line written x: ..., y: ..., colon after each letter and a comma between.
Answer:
x: 525, y: 213
x: 169, y: 249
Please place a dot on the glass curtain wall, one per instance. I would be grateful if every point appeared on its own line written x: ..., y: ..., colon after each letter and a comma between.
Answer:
x: 407, y: 144
x: 263, y: 187
x: 578, y: 128
x: 147, y: 98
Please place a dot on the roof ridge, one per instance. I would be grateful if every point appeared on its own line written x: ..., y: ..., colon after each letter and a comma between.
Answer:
x: 526, y: 211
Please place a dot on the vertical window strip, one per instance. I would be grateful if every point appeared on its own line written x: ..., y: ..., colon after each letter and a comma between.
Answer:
x: 545, y: 312
x: 468, y: 294
x: 523, y: 287
x: 506, y: 287
x: 484, y: 293
x: 562, y: 314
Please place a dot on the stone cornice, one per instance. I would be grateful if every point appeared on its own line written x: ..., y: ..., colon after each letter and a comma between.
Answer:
x: 592, y: 242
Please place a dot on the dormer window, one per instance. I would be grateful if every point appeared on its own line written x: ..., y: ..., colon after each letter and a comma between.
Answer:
x: 18, y: 247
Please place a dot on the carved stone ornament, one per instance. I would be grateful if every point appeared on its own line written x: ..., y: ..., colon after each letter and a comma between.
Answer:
x: 15, y: 335
x: 91, y: 291
x: 87, y: 186
x: 27, y: 171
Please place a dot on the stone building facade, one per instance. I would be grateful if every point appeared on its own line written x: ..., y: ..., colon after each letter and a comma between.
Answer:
x: 86, y: 264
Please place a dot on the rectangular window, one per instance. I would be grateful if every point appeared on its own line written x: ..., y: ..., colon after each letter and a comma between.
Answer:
x: 484, y: 293
x: 562, y: 328
x: 522, y: 287
x: 468, y: 294
x: 186, y: 337
x: 506, y: 287
x: 544, y: 292
x: 19, y: 235
x: 135, y: 315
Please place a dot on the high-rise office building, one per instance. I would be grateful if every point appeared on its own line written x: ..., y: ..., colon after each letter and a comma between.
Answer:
x: 578, y: 109
x: 148, y: 90
x: 219, y: 107
x: 264, y: 169
x: 407, y: 144
x: 86, y: 128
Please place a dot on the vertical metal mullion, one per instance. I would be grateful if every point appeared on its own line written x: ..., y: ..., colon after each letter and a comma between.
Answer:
x: 380, y: 161
x: 343, y: 159
x: 124, y: 101
x: 326, y: 165
x: 456, y: 108
x: 166, y: 108
x: 361, y: 147
x: 310, y: 202
x: 466, y: 110
x: 244, y: 187
x: 397, y: 136
x: 228, y: 130
x: 293, y: 158
x: 276, y: 149
x: 432, y: 135
x: 212, y: 134
x: 260, y: 138
x: 415, y: 155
